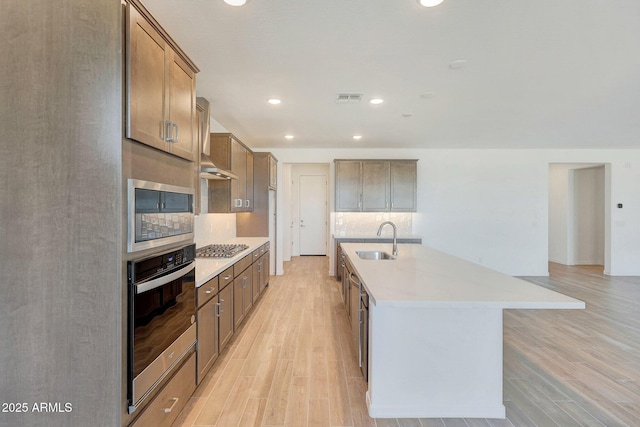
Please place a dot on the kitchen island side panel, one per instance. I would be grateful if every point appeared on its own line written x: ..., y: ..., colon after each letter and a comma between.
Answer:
x: 435, y: 363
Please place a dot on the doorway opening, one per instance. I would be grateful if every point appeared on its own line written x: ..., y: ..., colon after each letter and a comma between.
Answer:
x: 308, y: 217
x: 579, y: 221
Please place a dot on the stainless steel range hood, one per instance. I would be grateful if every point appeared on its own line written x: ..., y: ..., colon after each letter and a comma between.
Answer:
x: 208, y: 169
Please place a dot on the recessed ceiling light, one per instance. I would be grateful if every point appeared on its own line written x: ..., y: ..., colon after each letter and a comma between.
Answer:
x: 357, y: 137
x: 288, y: 136
x: 235, y: 2
x: 274, y: 101
x: 376, y: 101
x: 459, y: 63
x: 429, y: 3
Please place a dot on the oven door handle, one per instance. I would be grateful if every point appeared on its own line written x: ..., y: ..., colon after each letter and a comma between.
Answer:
x: 163, y: 280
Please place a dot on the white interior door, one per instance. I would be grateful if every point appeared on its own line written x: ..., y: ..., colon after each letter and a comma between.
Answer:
x: 313, y: 215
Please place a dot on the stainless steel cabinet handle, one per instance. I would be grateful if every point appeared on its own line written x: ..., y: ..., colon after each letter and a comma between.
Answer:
x: 176, y: 128
x: 170, y: 408
x: 217, y: 309
x: 351, y: 276
x: 227, y: 277
x: 247, y: 203
x: 221, y: 306
x: 208, y: 291
x: 168, y: 131
x: 360, y: 339
x: 259, y: 267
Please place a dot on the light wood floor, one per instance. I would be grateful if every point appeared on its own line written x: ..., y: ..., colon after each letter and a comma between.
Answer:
x: 291, y: 363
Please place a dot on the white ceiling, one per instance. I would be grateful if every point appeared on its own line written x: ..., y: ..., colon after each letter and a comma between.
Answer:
x: 544, y: 73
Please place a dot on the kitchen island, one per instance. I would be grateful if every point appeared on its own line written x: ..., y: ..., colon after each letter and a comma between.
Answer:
x: 435, y: 331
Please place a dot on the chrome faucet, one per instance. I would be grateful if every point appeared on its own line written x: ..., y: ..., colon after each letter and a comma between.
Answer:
x: 395, y: 236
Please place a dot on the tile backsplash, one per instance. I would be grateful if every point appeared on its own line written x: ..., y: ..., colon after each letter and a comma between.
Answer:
x: 367, y: 223
x: 214, y: 228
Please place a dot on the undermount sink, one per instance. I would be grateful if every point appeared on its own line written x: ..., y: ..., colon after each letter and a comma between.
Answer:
x: 375, y: 255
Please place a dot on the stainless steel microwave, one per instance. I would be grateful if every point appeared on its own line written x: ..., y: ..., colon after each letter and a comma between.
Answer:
x: 158, y: 215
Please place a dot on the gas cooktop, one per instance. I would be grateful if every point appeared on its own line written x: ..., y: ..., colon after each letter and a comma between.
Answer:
x: 220, y: 251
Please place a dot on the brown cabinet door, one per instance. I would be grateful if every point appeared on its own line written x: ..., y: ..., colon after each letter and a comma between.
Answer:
x: 248, y: 207
x: 165, y: 407
x: 238, y: 302
x: 225, y: 313
x: 207, y: 336
x: 181, y: 90
x: 247, y: 289
x: 348, y: 186
x: 239, y: 167
x: 255, y: 281
x: 145, y: 81
x: 266, y: 270
x: 403, y: 186
x: 375, y: 186
x: 242, y: 300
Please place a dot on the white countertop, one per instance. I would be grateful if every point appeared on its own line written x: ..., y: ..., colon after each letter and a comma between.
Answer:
x: 425, y: 277
x: 208, y: 268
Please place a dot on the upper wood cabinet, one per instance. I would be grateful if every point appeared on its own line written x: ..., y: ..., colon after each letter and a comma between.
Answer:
x: 160, y: 87
x: 260, y: 222
x: 403, y: 186
x: 348, y: 185
x: 234, y: 195
x: 376, y: 185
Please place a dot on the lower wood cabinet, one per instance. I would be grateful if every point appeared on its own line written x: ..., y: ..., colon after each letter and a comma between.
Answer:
x: 225, y: 313
x: 255, y: 282
x: 207, y: 317
x: 242, y: 299
x: 265, y: 270
x: 165, y: 407
x: 223, y: 303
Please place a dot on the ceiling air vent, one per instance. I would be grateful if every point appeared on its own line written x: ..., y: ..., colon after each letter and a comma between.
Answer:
x: 348, y: 98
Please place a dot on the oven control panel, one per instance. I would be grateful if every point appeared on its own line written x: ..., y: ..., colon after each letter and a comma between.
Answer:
x: 143, y: 269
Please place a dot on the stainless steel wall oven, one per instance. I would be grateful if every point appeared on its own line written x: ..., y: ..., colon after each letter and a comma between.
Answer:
x: 161, y: 328
x: 158, y: 214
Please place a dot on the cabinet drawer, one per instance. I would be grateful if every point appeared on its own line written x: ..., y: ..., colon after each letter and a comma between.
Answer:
x: 225, y: 278
x: 207, y: 291
x: 242, y: 265
x: 166, y: 406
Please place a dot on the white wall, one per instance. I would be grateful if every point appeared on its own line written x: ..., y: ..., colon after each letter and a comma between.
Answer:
x: 559, y: 214
x: 589, y: 216
x: 491, y: 206
x: 214, y: 228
